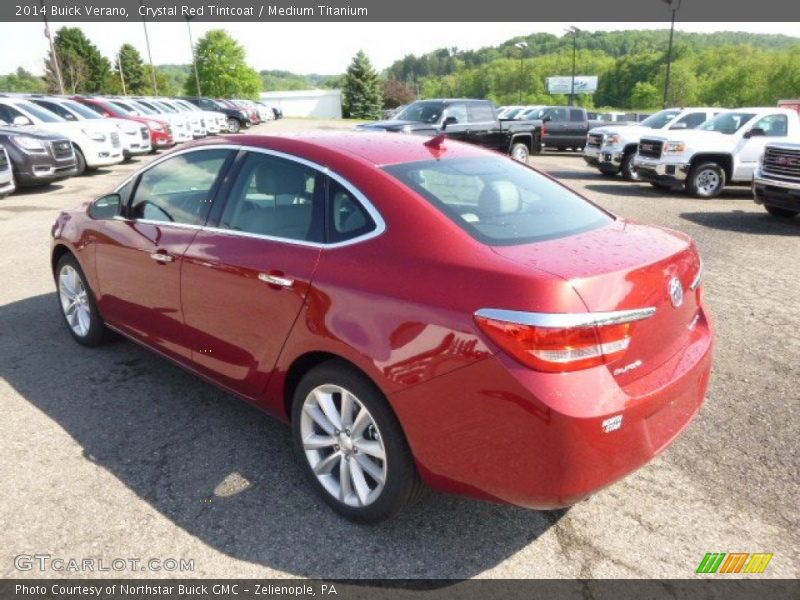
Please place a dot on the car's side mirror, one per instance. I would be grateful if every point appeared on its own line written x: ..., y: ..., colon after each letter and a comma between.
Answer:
x: 20, y: 120
x: 547, y: 119
x: 680, y: 126
x: 755, y: 132
x: 106, y: 207
x: 449, y: 121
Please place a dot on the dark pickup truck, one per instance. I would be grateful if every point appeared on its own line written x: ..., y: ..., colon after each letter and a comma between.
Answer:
x: 472, y: 121
x: 565, y: 126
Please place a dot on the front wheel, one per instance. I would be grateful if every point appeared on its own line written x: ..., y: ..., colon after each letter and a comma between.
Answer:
x: 77, y: 303
x: 626, y: 168
x: 520, y: 152
x: 351, y: 445
x: 233, y: 125
x: 783, y: 213
x: 705, y: 180
x: 80, y: 161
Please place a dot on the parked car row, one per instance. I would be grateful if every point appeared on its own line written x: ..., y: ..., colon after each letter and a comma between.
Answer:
x: 47, y: 138
x: 703, y: 149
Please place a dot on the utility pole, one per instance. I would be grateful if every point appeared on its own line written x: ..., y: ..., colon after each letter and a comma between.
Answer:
x: 53, y: 55
x: 149, y: 54
x: 674, y: 5
x: 194, y: 58
x: 522, y: 46
x: 121, y: 73
x: 574, y: 31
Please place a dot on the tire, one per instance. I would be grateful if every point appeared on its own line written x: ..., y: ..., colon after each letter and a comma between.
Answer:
x: 783, y: 213
x: 233, y: 125
x: 705, y: 180
x: 80, y: 161
x: 626, y: 168
x: 360, y: 497
x: 84, y: 322
x: 520, y: 152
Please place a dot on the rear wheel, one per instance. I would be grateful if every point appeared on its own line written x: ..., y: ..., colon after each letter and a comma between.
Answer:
x: 520, y: 152
x: 706, y: 180
x: 351, y: 445
x: 77, y: 303
x: 783, y: 213
x: 626, y: 168
x: 233, y: 125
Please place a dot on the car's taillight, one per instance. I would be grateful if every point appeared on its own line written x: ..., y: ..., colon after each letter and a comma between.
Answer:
x: 558, y: 342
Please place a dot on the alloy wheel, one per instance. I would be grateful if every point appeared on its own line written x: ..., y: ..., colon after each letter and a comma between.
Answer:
x: 343, y: 445
x: 74, y: 300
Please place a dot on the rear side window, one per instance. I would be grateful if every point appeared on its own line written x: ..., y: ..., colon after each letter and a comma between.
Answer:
x: 575, y: 115
x: 773, y: 125
x: 177, y: 190
x: 278, y: 198
x: 500, y: 202
x: 480, y: 113
x: 347, y: 218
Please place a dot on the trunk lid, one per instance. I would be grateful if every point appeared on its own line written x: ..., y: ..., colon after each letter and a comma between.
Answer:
x: 626, y: 266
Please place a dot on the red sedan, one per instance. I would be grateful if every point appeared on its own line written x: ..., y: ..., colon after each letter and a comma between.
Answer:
x: 419, y: 311
x: 160, y: 132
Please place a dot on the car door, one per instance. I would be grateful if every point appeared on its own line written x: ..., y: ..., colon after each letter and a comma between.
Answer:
x: 577, y: 128
x: 245, y: 279
x: 556, y: 127
x: 770, y: 128
x: 458, y: 128
x: 139, y: 255
x: 484, y: 128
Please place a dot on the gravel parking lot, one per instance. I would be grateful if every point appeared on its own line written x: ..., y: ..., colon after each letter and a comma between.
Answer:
x: 116, y: 453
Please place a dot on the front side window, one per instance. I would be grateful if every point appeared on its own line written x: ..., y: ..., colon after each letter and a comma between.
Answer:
x: 557, y: 114
x: 691, y: 120
x: 660, y: 119
x: 177, y: 190
x: 57, y: 109
x: 498, y: 201
x: 727, y: 122
x: 422, y: 112
x: 276, y: 197
x: 773, y: 125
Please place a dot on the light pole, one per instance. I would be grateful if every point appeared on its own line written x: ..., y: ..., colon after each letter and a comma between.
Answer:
x: 522, y: 46
x: 149, y: 54
x: 53, y: 55
x: 121, y: 73
x: 194, y: 58
x: 674, y: 5
x: 574, y: 31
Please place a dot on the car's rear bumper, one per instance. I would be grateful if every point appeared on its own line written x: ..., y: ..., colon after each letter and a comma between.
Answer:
x: 497, y: 430
x: 775, y: 192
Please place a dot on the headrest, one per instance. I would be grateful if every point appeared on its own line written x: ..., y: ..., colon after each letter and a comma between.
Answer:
x: 498, y: 198
x: 272, y: 180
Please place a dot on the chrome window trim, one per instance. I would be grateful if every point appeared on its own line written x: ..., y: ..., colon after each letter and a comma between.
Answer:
x: 536, y: 319
x: 380, y: 224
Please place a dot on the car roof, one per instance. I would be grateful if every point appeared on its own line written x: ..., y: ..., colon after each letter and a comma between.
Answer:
x: 377, y: 148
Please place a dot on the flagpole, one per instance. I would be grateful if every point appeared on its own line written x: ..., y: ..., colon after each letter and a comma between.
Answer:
x: 149, y: 54
x: 53, y: 56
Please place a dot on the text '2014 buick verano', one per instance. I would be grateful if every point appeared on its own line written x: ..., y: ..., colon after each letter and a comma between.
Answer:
x: 421, y: 311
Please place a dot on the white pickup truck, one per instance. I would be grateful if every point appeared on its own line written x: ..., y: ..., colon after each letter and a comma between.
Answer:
x: 721, y: 151
x: 776, y: 183
x: 611, y: 148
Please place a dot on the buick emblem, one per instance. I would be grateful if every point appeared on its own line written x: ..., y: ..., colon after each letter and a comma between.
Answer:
x: 675, y: 290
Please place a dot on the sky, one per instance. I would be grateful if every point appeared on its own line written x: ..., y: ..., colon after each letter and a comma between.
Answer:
x: 314, y: 47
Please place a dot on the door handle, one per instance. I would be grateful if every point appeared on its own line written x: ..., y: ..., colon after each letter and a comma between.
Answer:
x: 162, y: 257
x: 276, y: 280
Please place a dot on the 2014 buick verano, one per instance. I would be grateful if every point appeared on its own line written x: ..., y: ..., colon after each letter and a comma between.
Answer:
x: 420, y: 311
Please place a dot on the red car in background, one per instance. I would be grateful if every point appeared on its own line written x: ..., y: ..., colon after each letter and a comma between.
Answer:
x: 252, y: 113
x: 160, y: 132
x: 420, y: 311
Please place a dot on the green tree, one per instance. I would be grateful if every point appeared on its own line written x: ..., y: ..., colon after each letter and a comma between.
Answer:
x: 83, y: 68
x: 22, y: 81
x: 132, y: 67
x: 362, y: 94
x: 646, y: 95
x: 222, y: 68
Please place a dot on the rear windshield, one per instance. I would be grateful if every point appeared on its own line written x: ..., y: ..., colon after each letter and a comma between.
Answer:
x: 499, y: 201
